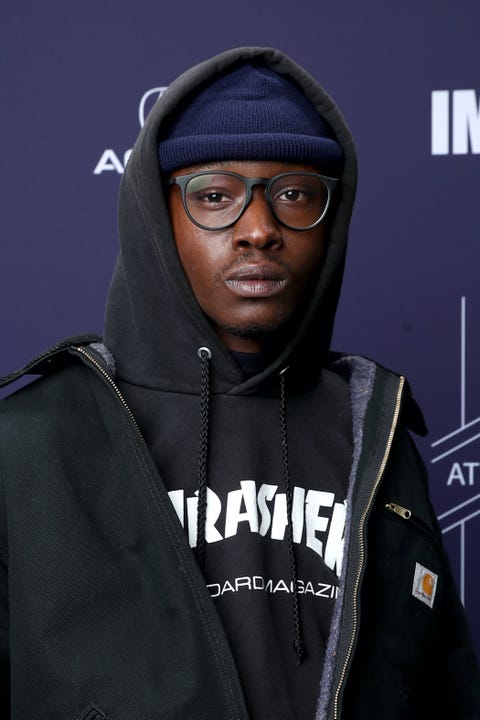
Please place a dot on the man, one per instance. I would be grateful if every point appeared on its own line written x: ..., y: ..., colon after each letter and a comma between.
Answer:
x: 208, y: 514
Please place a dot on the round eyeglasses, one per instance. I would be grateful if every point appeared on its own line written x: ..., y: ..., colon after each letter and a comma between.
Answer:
x: 215, y: 200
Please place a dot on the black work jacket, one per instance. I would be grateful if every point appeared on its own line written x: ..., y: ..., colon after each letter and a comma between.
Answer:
x: 104, y: 613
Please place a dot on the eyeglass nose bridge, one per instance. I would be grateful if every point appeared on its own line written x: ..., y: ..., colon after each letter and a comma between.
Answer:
x: 249, y: 184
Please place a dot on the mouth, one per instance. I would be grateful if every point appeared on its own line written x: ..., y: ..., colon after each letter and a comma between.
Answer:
x: 256, y: 281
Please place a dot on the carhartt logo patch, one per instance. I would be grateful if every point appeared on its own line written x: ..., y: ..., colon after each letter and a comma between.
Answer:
x: 424, y: 585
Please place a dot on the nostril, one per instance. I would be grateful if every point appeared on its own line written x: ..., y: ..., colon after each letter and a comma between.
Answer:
x: 258, y: 241
x: 259, y: 238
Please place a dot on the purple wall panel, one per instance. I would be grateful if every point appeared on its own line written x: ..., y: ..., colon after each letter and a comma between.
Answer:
x: 74, y: 76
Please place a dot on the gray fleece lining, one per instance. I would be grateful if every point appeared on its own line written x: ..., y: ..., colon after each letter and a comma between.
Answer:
x: 361, y: 373
x: 106, y: 356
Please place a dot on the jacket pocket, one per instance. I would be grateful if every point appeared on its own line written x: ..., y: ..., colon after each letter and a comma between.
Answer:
x: 408, y: 516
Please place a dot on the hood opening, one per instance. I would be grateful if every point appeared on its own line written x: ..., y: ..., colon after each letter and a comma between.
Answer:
x: 150, y: 299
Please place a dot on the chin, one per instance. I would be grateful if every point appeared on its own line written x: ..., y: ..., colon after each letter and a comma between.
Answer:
x: 255, y: 331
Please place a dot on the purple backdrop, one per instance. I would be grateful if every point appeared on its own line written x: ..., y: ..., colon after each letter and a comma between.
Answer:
x: 406, y: 77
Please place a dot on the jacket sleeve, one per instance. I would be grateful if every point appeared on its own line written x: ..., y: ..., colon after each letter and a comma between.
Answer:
x: 458, y: 672
x: 4, y: 605
x: 4, y: 644
x: 421, y: 654
x: 459, y: 669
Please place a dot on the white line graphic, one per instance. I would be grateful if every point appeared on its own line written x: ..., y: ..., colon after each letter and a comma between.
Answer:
x: 463, y: 333
x: 458, y: 516
x: 464, y: 425
x: 460, y: 523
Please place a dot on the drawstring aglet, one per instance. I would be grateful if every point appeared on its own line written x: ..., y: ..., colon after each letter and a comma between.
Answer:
x: 300, y: 651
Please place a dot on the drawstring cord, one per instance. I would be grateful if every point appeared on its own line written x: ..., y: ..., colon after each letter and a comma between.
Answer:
x: 297, y: 623
x: 205, y: 356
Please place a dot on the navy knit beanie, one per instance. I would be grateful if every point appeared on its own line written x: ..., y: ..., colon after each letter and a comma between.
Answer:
x: 250, y: 113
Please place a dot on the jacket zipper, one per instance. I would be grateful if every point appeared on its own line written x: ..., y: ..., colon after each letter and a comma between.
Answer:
x: 406, y: 514
x: 116, y: 390
x: 361, y: 542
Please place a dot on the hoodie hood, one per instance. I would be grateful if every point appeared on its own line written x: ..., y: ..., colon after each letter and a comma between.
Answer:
x: 154, y: 325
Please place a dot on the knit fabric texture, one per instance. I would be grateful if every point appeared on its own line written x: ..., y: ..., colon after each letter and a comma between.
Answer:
x: 249, y: 113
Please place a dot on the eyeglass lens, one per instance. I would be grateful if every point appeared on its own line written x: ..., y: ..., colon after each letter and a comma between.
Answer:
x: 215, y: 200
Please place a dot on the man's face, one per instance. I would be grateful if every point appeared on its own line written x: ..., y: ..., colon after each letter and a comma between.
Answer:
x: 249, y: 279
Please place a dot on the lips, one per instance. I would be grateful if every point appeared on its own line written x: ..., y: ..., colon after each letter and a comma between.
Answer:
x: 256, y: 281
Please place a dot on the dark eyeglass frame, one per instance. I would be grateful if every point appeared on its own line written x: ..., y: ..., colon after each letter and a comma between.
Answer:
x: 249, y: 183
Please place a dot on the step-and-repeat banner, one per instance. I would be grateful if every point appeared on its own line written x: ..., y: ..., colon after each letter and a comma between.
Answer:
x: 78, y: 80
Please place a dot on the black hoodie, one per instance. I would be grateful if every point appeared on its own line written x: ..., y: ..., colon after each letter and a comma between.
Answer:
x: 275, y: 597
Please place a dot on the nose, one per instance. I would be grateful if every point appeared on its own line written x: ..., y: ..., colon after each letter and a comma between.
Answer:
x: 257, y: 226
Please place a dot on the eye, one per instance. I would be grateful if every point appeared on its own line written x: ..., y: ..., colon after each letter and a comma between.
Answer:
x: 292, y: 194
x: 300, y: 194
x: 212, y: 191
x: 212, y: 196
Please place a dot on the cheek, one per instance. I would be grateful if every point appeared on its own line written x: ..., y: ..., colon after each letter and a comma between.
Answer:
x: 202, y: 259
x: 309, y: 259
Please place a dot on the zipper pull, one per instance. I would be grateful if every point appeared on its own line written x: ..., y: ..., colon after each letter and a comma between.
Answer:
x: 404, y: 513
